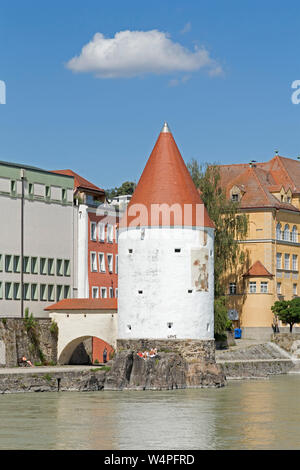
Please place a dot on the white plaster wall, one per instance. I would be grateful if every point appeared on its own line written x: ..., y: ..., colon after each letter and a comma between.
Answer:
x: 165, y: 278
x: 82, y: 249
x: 78, y: 325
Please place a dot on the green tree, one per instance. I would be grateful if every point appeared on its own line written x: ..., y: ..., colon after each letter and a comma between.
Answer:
x: 288, y: 311
x: 221, y: 318
x: 230, y: 225
x: 127, y: 187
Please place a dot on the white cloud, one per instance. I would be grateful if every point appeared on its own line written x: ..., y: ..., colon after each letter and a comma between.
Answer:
x: 187, y: 28
x: 134, y: 53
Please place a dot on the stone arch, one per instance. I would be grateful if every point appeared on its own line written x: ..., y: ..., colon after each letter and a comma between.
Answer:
x: 68, y: 350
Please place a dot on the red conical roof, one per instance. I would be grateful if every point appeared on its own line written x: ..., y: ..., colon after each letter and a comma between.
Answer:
x: 166, y: 180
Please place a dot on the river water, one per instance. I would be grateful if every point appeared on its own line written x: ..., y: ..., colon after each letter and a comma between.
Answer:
x: 254, y: 414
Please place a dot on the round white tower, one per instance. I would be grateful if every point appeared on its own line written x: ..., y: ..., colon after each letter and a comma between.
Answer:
x: 166, y: 254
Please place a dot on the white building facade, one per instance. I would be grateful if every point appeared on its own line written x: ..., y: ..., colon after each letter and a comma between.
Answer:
x: 47, y: 230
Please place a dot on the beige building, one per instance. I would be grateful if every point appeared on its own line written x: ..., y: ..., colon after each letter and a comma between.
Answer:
x: 269, y: 193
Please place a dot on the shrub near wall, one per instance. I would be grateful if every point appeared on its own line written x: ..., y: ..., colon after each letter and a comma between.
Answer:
x: 37, y: 340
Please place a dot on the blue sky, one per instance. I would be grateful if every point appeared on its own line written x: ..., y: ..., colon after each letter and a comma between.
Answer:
x: 105, y: 128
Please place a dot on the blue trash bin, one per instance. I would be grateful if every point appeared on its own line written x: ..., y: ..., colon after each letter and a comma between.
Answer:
x: 237, y: 333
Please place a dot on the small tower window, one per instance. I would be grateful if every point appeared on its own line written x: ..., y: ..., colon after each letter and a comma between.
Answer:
x: 143, y: 233
x: 235, y: 197
x: 129, y: 327
x: 177, y: 250
x: 169, y: 324
x: 130, y: 250
x: 140, y: 291
x: 190, y: 291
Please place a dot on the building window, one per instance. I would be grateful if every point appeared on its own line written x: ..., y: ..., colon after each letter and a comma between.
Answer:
x: 1, y: 290
x: 295, y: 263
x: 34, y: 292
x: 117, y: 264
x: 110, y: 261
x: 94, y: 262
x: 117, y: 235
x: 8, y: 263
x: 232, y: 288
x: 17, y: 264
x: 278, y: 231
x: 294, y: 289
x: 67, y: 267
x: 286, y: 233
x: 103, y: 292
x: 67, y: 291
x: 116, y: 292
x: 26, y: 295
x: 43, y: 292
x: 16, y: 291
x: 95, y: 292
x: 51, y: 293
x: 102, y: 262
x: 8, y: 290
x: 264, y: 287
x: 111, y: 293
x: 63, y: 195
x: 50, y: 267
x: 93, y: 231
x: 110, y: 233
x: 101, y: 232
x: 278, y: 288
x: 252, y: 289
x: 278, y: 260
x: 13, y: 187
x: 235, y: 197
x: 47, y: 192
x: 1, y: 263
x: 30, y: 189
x: 34, y: 265
x: 286, y: 261
x: 59, y: 293
x: 294, y: 234
x: 59, y: 267
x: 26, y: 264
x: 43, y: 266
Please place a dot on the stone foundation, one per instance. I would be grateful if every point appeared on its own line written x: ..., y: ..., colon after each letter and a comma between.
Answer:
x: 187, y: 348
x: 178, y: 364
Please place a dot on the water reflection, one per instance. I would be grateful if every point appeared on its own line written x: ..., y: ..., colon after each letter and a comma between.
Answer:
x: 262, y: 414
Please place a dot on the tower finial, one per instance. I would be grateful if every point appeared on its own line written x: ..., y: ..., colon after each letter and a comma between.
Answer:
x: 165, y: 128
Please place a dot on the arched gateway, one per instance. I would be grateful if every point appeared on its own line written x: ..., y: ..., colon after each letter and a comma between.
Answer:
x: 80, y: 319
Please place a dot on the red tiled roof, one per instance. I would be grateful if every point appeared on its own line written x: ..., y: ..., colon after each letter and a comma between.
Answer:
x: 259, y: 181
x: 258, y: 269
x: 84, y: 304
x: 165, y: 180
x: 80, y: 182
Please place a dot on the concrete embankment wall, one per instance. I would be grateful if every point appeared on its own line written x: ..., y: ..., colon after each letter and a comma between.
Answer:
x: 255, y: 368
x: 258, y: 360
x: 51, y: 381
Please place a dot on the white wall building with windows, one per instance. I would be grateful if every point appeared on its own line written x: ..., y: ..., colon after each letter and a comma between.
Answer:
x: 47, y: 229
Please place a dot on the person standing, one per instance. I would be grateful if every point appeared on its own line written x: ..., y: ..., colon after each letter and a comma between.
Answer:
x: 105, y: 355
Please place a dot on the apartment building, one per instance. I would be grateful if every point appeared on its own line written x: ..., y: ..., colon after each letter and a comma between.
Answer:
x: 269, y: 193
x: 97, y: 240
x: 36, y: 239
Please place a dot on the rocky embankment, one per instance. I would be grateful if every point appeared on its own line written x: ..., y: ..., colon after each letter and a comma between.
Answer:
x: 165, y: 371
